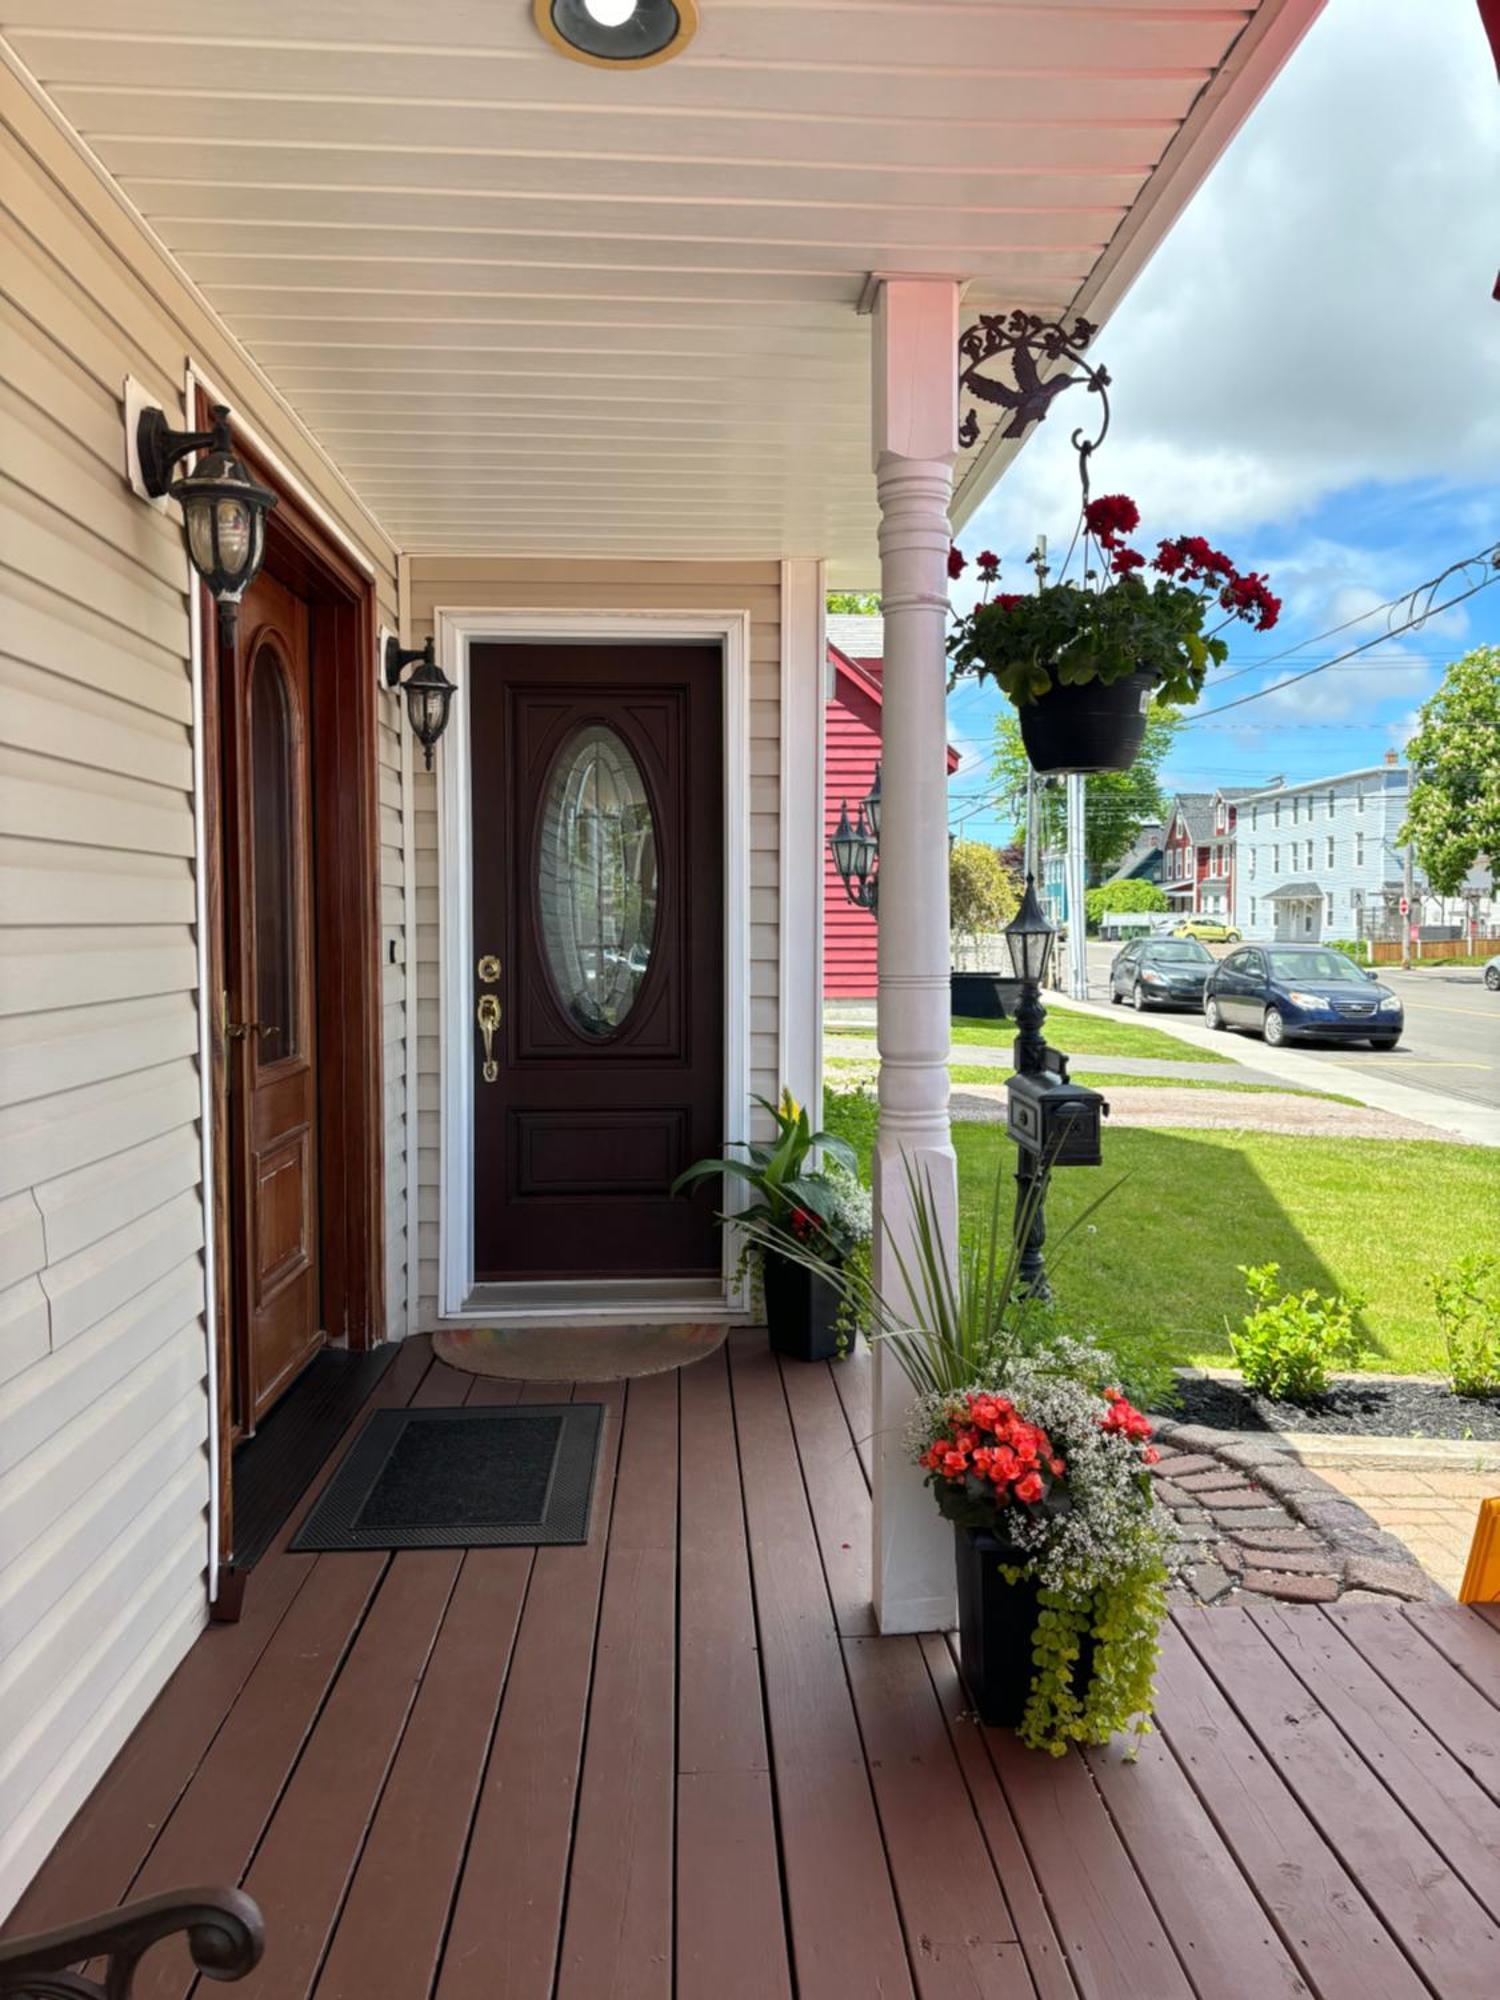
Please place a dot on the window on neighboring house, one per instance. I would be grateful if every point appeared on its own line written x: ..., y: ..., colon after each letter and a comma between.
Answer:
x: 1252, y: 912
x: 1310, y: 862
x: 1328, y: 849
x: 1330, y: 802
x: 1359, y: 850
x: 1276, y: 812
x: 1328, y: 919
x: 1254, y: 817
x: 1250, y: 864
x: 1359, y: 798
x: 1276, y: 858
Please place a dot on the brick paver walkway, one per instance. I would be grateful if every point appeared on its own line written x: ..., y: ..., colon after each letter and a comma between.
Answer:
x: 1430, y: 1509
x: 1248, y: 1518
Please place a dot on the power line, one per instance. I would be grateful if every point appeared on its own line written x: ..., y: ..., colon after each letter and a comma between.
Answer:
x: 1490, y: 555
x: 1418, y: 618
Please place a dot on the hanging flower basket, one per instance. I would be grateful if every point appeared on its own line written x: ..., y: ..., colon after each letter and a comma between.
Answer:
x: 1083, y: 660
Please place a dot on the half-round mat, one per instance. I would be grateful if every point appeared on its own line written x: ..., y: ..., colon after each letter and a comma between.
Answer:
x: 578, y: 1353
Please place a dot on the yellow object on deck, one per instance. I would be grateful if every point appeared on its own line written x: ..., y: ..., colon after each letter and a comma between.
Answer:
x: 1481, y: 1584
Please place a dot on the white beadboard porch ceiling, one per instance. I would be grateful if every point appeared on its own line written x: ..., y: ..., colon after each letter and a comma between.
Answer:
x: 529, y: 305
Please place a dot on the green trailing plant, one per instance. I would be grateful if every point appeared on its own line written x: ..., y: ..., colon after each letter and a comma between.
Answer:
x: 1350, y: 947
x: 1289, y: 1342
x: 1467, y: 1302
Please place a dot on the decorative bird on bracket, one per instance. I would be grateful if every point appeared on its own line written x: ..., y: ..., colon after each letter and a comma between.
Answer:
x: 1028, y: 340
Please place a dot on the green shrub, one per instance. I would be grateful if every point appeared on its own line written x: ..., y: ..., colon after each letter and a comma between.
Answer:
x: 1467, y: 1301
x: 1290, y: 1340
x: 1350, y: 947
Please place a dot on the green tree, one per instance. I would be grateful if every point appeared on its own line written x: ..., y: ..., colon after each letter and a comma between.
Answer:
x: 983, y: 894
x: 854, y: 603
x: 1453, y: 816
x: 1117, y: 803
x: 1133, y: 895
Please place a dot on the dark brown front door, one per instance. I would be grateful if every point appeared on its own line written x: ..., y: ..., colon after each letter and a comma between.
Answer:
x: 270, y: 1019
x: 598, y: 944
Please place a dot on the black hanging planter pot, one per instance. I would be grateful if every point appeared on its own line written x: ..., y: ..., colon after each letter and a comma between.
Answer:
x: 802, y: 1311
x: 996, y: 1621
x: 984, y: 996
x: 1089, y: 726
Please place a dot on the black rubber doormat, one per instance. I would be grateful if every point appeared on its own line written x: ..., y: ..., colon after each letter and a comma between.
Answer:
x: 462, y: 1479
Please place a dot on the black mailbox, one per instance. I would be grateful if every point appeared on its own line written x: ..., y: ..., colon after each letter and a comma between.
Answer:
x: 1061, y: 1121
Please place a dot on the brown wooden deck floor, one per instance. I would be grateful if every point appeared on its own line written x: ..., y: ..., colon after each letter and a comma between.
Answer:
x: 677, y: 1762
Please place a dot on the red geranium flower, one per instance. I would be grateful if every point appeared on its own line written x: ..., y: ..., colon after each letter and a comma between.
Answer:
x: 989, y: 564
x: 958, y: 562
x: 1125, y: 560
x: 1110, y: 516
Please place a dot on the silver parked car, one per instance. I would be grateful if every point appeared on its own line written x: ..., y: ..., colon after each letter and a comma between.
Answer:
x: 1492, y: 974
x: 1160, y: 972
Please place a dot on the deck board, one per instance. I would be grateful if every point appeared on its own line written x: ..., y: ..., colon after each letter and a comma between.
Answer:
x: 508, y: 1908
x: 674, y: 1763
x: 730, y: 1938
x: 1448, y: 1937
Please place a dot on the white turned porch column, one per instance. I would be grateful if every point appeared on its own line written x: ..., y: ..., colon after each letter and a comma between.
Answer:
x: 915, y: 438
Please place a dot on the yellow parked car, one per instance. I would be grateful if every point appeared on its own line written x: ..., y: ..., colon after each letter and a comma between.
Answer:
x: 1208, y: 930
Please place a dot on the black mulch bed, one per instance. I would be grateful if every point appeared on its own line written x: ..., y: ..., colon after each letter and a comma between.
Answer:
x: 1373, y: 1409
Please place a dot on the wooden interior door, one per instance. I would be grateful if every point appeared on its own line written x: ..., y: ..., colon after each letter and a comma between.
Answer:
x: 598, y: 807
x: 270, y: 1021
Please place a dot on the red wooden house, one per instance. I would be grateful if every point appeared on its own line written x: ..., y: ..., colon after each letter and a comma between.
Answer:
x: 851, y: 751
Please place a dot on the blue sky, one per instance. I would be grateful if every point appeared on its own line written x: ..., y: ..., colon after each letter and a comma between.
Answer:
x: 1308, y: 373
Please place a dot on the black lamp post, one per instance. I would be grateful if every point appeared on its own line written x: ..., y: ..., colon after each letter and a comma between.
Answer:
x: 429, y: 692
x: 856, y: 849
x: 1029, y: 938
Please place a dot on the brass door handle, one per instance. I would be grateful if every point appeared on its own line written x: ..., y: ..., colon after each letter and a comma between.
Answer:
x: 487, y: 1013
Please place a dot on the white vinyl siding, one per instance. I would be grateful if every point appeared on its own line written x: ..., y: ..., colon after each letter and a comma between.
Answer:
x: 103, y: 1361
x: 473, y: 583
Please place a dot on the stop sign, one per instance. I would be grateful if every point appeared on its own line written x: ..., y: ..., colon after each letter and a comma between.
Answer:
x: 1405, y: 906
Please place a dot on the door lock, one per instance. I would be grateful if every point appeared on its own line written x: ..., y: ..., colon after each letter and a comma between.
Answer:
x: 488, y: 969
x: 487, y: 1013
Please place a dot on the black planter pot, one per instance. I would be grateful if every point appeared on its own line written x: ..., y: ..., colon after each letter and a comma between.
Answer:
x: 1089, y: 727
x: 995, y: 1622
x: 984, y: 996
x: 802, y: 1310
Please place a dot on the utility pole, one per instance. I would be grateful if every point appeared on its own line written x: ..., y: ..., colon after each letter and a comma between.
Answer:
x: 1409, y: 918
x: 1077, y: 876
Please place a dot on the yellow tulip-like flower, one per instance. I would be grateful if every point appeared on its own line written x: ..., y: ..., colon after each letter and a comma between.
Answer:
x: 790, y: 1108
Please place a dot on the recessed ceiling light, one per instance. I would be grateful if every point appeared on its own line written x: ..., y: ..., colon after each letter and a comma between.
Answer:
x: 618, y: 34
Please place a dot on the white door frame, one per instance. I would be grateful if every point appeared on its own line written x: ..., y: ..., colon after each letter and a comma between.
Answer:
x: 456, y: 631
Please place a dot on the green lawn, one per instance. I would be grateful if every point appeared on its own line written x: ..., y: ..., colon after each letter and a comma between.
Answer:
x: 1153, y: 1274
x: 1078, y: 1034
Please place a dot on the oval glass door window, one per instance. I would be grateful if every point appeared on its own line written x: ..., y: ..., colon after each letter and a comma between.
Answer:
x: 597, y: 882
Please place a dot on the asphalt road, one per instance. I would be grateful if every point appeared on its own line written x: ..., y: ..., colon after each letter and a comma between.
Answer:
x: 1451, y: 1042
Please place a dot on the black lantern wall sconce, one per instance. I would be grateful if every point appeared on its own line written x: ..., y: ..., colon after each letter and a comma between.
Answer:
x: 223, y: 509
x: 856, y: 849
x: 429, y: 692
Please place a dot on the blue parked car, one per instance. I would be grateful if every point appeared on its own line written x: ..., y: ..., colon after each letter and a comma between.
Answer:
x: 1301, y: 992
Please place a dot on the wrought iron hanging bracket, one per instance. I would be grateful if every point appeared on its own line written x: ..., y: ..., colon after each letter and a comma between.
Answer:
x: 1032, y: 344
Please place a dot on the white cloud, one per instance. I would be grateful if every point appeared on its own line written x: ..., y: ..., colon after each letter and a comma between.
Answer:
x: 1320, y: 316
